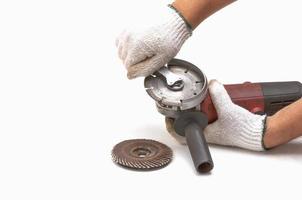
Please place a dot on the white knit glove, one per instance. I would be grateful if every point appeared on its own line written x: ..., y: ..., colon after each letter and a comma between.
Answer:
x: 235, y: 125
x: 146, y: 49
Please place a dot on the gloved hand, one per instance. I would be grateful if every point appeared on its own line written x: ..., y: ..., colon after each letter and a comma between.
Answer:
x: 145, y: 50
x: 235, y: 125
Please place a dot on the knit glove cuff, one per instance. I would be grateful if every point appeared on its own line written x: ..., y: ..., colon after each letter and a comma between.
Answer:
x: 177, y: 29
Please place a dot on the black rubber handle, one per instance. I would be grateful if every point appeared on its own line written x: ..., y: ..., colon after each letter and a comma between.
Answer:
x: 198, y: 148
x: 280, y: 94
x: 191, y: 125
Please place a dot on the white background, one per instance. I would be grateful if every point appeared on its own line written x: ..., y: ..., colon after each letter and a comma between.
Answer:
x: 65, y: 101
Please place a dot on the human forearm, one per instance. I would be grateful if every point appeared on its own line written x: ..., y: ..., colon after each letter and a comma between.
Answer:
x: 195, y: 11
x: 284, y: 126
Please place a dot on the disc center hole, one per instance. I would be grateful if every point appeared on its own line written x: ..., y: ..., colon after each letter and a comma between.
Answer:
x: 141, y: 152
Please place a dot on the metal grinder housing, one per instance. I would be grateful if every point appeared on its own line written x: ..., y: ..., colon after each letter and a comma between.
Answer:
x: 180, y: 91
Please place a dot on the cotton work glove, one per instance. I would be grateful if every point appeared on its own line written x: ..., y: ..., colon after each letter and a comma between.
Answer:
x: 145, y: 49
x: 235, y: 125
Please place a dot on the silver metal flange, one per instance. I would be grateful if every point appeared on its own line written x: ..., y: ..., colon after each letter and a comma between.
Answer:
x: 176, y: 87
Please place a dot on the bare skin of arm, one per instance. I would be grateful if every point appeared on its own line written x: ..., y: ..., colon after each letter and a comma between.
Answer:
x: 195, y: 11
x: 286, y: 124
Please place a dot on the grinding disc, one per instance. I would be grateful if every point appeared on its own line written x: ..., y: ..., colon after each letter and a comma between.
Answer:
x: 141, y: 154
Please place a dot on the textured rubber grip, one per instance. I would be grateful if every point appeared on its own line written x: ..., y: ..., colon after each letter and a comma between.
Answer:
x: 198, y: 148
x: 277, y: 95
x: 191, y: 125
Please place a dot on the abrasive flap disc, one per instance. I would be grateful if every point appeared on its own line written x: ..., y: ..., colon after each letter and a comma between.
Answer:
x: 141, y: 154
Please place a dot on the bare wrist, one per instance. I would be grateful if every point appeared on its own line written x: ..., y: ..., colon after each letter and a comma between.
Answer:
x: 187, y: 13
x: 271, y: 138
x: 196, y: 11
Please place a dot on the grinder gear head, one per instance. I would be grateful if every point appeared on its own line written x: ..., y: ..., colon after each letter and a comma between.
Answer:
x: 179, y: 86
x: 178, y: 89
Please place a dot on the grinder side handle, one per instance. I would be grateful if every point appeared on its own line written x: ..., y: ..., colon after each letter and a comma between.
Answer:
x: 198, y: 147
x: 191, y: 125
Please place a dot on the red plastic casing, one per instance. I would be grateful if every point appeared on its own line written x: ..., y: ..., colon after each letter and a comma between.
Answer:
x: 247, y: 95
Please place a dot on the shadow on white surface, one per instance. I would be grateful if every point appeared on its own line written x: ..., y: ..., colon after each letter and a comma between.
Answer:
x: 292, y: 149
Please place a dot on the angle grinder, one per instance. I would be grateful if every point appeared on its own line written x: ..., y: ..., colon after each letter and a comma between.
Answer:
x: 180, y: 91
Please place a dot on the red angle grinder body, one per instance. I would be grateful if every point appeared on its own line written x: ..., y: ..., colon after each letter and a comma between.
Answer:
x: 180, y: 91
x: 259, y: 98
